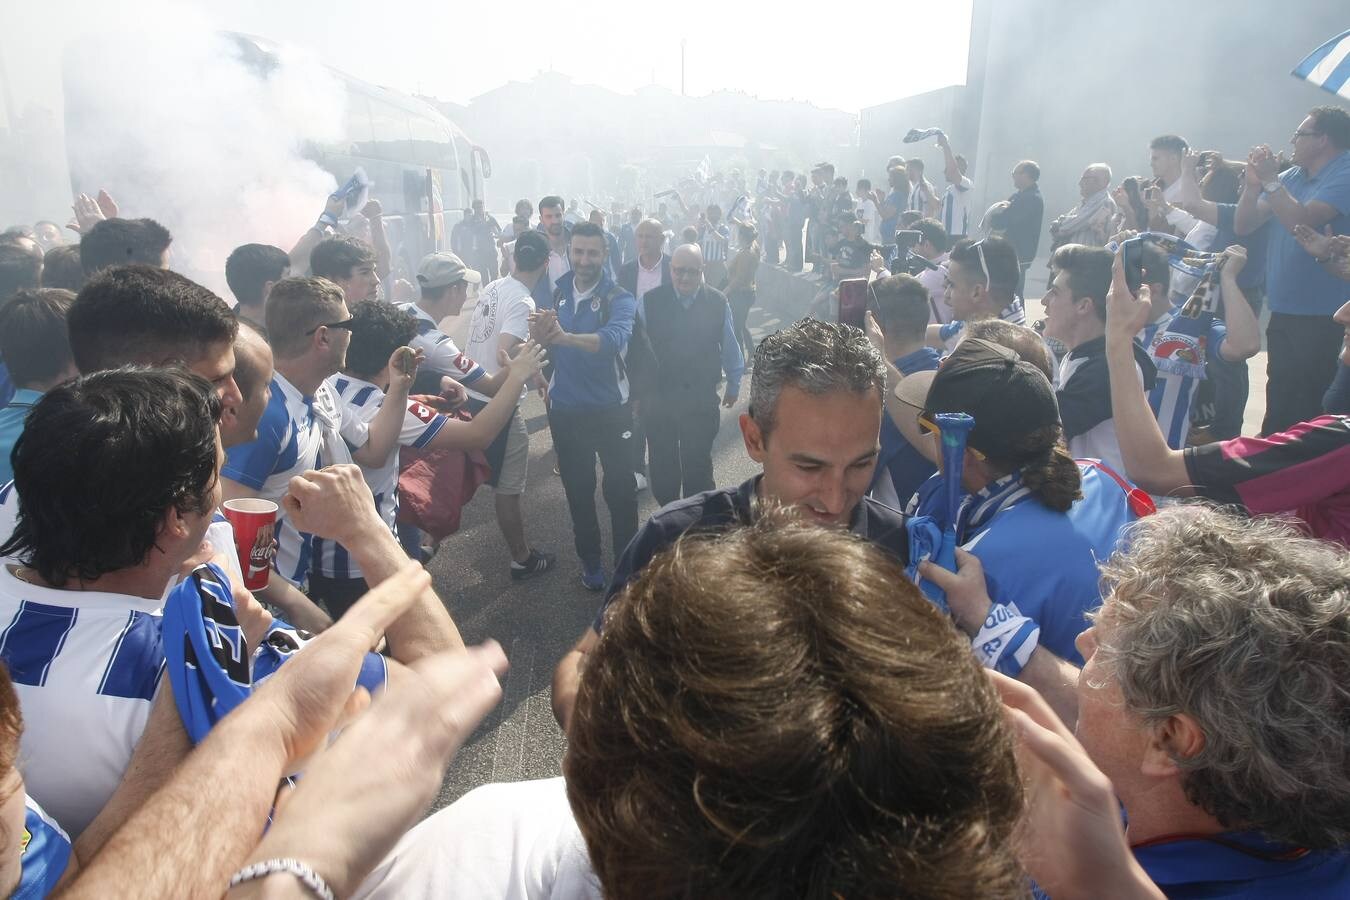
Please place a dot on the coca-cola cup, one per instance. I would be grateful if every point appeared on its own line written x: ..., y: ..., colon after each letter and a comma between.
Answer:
x: 254, y: 523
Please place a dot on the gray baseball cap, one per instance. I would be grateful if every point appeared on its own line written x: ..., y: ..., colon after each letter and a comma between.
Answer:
x: 443, y: 268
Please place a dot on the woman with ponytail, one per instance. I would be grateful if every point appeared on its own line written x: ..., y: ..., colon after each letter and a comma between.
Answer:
x: 1037, y: 520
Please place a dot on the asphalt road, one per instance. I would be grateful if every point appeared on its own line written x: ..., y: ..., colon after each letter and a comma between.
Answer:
x: 537, y: 621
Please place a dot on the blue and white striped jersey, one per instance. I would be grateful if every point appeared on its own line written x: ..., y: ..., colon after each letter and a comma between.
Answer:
x: 44, y: 853
x: 955, y: 208
x: 714, y: 241
x: 85, y: 665
x: 442, y: 353
x: 1179, y: 346
x: 362, y: 401
x: 296, y: 434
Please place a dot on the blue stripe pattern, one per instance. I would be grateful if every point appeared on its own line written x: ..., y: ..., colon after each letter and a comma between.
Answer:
x: 134, y: 668
x: 1337, y: 80
x: 33, y: 640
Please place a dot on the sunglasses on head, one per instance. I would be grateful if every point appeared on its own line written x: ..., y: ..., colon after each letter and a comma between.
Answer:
x: 344, y: 324
x: 984, y: 266
x: 928, y: 426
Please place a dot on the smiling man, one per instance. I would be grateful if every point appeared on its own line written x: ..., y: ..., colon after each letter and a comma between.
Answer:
x: 814, y: 424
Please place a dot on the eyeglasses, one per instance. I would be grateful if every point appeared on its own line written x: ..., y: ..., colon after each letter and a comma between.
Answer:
x: 927, y: 426
x: 684, y: 272
x: 346, y: 324
x: 1299, y: 134
x: 984, y: 266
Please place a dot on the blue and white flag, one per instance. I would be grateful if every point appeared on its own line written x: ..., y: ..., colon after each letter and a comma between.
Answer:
x: 1328, y: 66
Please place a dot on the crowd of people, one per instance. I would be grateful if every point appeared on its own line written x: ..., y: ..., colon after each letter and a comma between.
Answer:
x: 965, y: 634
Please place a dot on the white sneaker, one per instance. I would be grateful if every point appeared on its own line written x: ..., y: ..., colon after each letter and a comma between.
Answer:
x: 641, y: 481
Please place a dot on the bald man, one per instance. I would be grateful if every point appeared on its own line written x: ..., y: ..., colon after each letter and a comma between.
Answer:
x: 651, y: 267
x: 1092, y: 221
x: 690, y: 329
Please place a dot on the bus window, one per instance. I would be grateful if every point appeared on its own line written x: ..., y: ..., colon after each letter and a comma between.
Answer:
x: 358, y: 132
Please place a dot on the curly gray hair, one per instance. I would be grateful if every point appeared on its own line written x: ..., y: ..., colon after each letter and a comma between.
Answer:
x: 816, y: 357
x: 1244, y: 626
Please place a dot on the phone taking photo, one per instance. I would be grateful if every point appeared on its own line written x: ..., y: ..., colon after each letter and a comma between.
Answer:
x: 853, y: 302
x: 1132, y: 258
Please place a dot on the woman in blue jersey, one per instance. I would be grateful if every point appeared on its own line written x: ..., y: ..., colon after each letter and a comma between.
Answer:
x: 1038, y: 520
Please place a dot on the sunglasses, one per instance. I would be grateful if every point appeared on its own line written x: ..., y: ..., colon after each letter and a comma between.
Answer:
x: 927, y: 426
x: 347, y: 324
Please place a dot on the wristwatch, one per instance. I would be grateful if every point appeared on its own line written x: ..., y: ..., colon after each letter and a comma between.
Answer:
x: 1270, y: 187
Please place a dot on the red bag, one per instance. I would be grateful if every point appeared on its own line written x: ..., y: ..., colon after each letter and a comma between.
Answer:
x: 435, y: 485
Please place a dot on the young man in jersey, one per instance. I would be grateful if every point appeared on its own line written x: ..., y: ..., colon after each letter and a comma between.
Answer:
x: 981, y: 283
x: 954, y: 213
x: 501, y: 324
x: 586, y: 329
x: 348, y: 262
x: 378, y: 332
x: 1075, y: 315
x: 1023, y: 494
x: 813, y: 424
x: 308, y: 329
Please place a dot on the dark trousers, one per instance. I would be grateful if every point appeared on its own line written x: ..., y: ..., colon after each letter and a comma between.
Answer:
x: 336, y: 594
x: 741, y: 303
x: 579, y: 436
x: 793, y: 255
x: 680, y: 434
x: 1301, y: 358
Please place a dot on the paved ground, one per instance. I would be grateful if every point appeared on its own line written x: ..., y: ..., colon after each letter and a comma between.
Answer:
x: 539, y: 620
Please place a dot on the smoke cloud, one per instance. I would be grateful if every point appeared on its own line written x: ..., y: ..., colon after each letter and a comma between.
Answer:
x: 177, y: 126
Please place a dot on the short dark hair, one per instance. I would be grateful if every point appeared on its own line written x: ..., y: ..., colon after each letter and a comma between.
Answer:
x: 1334, y: 122
x: 1157, y: 268
x: 999, y: 255
x: 933, y: 233
x: 295, y: 306
x: 529, y: 208
x: 1089, y: 270
x: 1031, y: 168
x: 588, y: 229
x: 153, y: 435
x: 335, y: 257
x: 119, y: 242
x: 909, y: 217
x: 20, y: 269
x: 61, y: 268
x: 379, y: 330
x: 249, y: 267
x: 34, y: 342
x: 902, y: 306
x: 552, y: 201
x: 1172, y: 143
x: 145, y: 315
x: 916, y: 162
x: 801, y: 721
x: 864, y: 184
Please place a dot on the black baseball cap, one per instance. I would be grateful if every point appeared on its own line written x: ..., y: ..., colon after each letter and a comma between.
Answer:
x: 1008, y: 397
x: 531, y: 250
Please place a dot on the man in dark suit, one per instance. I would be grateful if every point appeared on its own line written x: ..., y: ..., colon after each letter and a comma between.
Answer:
x: 689, y: 327
x: 648, y: 270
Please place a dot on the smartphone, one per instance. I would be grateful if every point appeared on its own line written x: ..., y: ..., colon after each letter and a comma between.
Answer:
x: 1132, y: 257
x: 853, y: 302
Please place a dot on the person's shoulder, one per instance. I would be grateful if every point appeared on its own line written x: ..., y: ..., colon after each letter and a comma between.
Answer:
x: 715, y: 508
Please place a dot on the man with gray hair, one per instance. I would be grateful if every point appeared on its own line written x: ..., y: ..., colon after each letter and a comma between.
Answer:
x: 814, y: 424
x: 1092, y: 221
x: 1216, y: 697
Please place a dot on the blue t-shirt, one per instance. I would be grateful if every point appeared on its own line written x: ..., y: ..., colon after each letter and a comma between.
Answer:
x: 44, y: 853
x: 1012, y: 532
x: 12, y: 419
x: 1297, y: 284
x: 896, y: 201
x: 1240, y: 865
x: 900, y: 467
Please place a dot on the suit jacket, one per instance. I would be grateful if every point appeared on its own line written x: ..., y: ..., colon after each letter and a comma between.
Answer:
x: 628, y: 274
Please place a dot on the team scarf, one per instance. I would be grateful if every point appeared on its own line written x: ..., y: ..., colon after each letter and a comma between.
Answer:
x: 914, y: 135
x: 209, y: 663
x: 1083, y: 213
x: 1180, y: 347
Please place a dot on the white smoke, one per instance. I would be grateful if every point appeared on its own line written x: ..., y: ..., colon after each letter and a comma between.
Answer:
x: 177, y: 127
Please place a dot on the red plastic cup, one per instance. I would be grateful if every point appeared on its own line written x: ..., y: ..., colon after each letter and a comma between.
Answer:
x: 254, y: 523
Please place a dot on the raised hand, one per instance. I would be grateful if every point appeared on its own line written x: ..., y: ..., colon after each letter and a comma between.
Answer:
x: 529, y: 360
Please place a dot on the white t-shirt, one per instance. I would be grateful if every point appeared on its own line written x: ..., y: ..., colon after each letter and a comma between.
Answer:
x: 935, y: 280
x: 503, y: 307
x: 871, y: 220
x: 86, y: 666
x: 362, y: 401
x: 443, y: 356
x: 504, y: 841
x: 648, y: 279
x: 558, y: 266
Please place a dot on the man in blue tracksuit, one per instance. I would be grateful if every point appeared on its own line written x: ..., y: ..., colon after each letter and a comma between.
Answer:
x: 586, y: 327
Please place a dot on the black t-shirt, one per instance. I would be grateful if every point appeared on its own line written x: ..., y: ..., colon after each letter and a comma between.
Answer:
x: 728, y: 508
x: 854, y: 254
